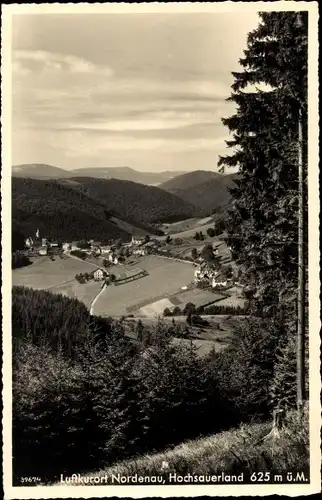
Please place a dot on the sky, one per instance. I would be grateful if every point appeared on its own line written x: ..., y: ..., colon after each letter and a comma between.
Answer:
x: 145, y: 91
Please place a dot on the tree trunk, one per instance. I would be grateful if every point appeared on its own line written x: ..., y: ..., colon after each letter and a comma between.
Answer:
x: 301, y: 284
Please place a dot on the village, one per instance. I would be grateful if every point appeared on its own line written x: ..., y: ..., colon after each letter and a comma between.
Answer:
x: 159, y: 274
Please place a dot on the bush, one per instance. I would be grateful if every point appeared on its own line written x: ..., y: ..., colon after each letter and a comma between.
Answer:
x: 210, y: 232
x: 19, y: 260
x: 84, y: 244
x: 189, y: 307
x: 79, y: 254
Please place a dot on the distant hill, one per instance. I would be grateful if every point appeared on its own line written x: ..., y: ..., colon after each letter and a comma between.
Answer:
x: 137, y: 202
x: 125, y: 174
x: 188, y: 180
x: 39, y: 171
x: 210, y: 195
x: 60, y: 212
x: 43, y: 171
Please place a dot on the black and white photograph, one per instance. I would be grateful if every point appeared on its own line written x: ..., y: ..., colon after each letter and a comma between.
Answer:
x: 160, y: 249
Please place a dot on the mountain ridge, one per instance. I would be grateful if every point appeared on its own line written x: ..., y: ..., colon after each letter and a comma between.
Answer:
x: 210, y: 195
x: 46, y: 171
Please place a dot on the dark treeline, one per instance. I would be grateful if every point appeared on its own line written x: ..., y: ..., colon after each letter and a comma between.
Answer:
x: 86, y: 396
x: 18, y: 259
x: 209, y: 310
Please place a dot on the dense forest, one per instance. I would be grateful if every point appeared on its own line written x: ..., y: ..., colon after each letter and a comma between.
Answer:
x: 85, y: 395
x: 83, y: 209
x: 60, y: 212
x: 145, y: 204
x: 211, y: 196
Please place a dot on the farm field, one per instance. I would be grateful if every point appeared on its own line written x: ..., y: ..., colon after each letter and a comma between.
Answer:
x: 234, y: 298
x: 83, y: 292
x: 165, y: 278
x: 197, y: 297
x: 44, y: 273
x: 180, y: 225
x: 189, y: 233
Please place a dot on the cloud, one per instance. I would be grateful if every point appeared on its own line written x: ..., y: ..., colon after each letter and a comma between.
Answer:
x: 90, y: 112
x: 40, y: 60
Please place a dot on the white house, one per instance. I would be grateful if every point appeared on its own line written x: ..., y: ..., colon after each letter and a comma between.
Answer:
x: 219, y: 281
x: 138, y: 240
x: 106, y: 250
x: 140, y: 251
x: 43, y: 251
x: 100, y: 274
x: 29, y: 242
x: 44, y: 242
x: 66, y: 246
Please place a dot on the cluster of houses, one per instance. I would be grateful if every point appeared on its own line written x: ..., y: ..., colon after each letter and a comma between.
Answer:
x: 138, y: 246
x: 41, y: 246
x: 204, y: 272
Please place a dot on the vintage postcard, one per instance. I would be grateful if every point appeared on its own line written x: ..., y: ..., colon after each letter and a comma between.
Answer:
x: 160, y: 249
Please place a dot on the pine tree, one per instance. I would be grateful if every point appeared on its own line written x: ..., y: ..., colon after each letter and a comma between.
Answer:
x: 262, y: 225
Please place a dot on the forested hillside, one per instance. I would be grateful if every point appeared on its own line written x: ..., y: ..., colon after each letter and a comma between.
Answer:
x: 86, y: 397
x: 60, y: 212
x: 212, y: 195
x: 145, y: 204
x: 189, y: 180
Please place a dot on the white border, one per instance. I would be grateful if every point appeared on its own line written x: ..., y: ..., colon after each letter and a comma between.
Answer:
x: 314, y: 285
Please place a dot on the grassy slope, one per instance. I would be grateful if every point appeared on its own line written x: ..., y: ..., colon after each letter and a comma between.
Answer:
x: 233, y: 451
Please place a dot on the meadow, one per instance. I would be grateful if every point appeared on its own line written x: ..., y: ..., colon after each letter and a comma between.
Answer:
x: 83, y: 292
x: 165, y: 277
x: 44, y: 274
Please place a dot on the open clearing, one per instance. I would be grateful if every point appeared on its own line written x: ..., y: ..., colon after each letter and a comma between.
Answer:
x: 44, y: 273
x: 165, y: 278
x: 234, y: 298
x: 218, y: 334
